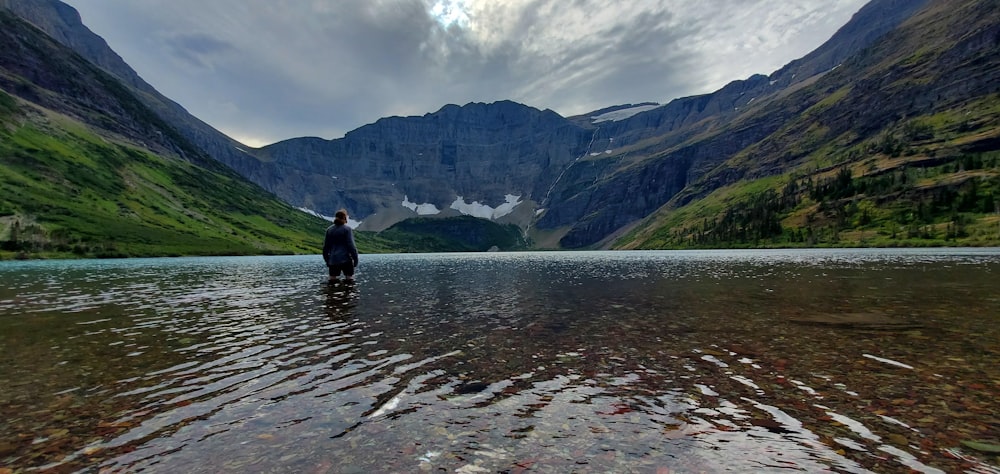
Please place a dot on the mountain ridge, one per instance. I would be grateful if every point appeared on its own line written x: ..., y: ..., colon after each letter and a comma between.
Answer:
x: 482, y: 151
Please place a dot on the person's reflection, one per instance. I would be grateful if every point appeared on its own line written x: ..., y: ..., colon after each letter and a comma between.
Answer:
x: 341, y: 297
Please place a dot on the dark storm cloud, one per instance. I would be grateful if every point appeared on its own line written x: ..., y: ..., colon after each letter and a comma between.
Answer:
x: 266, y: 70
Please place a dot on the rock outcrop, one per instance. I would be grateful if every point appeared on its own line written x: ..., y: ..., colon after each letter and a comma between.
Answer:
x: 473, y: 159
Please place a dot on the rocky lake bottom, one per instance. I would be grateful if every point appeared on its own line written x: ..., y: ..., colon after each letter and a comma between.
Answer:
x: 692, y: 361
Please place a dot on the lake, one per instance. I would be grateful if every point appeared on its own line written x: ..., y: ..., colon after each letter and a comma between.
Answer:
x: 667, y: 361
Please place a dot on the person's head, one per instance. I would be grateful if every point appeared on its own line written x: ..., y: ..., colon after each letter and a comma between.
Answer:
x: 340, y: 217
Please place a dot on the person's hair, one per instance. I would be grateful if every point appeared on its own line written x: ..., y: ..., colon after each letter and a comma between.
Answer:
x: 340, y: 217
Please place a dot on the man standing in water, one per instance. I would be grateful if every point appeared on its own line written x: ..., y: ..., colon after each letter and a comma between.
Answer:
x: 339, y: 251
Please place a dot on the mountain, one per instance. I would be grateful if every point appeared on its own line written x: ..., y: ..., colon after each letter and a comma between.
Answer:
x: 488, y: 160
x: 654, y: 155
x: 86, y: 169
x: 84, y: 108
x: 584, y: 182
x: 897, y: 145
x: 324, y: 176
x: 884, y: 135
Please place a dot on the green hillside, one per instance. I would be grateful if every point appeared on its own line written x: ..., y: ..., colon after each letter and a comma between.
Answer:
x: 67, y: 192
x: 87, y: 170
x: 899, y: 146
x: 453, y: 234
x: 920, y: 183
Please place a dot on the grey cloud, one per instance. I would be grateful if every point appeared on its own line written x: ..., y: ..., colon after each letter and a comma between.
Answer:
x: 265, y: 70
x: 384, y: 37
x: 619, y: 63
x: 198, y: 49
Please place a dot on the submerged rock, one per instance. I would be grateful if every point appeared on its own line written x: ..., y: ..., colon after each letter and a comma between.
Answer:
x: 471, y: 387
x: 877, y: 321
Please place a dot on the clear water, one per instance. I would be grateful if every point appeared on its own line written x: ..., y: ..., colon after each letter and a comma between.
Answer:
x: 835, y: 360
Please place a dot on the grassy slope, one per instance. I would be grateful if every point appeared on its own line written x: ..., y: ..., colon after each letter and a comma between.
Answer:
x: 65, y: 191
x: 929, y: 178
x: 913, y: 185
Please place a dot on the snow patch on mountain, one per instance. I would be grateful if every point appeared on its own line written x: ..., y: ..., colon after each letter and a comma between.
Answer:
x: 474, y: 208
x: 477, y: 209
x: 425, y: 209
x: 621, y: 114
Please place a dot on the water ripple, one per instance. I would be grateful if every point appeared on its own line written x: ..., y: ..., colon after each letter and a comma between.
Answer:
x: 585, y: 362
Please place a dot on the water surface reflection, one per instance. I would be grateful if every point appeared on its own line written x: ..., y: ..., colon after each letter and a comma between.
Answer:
x: 837, y: 360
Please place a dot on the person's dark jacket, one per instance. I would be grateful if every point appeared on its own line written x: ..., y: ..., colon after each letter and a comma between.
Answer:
x: 338, y: 246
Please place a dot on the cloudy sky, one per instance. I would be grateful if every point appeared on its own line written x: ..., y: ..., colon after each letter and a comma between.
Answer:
x: 266, y: 70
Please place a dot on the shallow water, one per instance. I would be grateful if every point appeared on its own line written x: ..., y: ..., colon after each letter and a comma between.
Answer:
x: 836, y: 360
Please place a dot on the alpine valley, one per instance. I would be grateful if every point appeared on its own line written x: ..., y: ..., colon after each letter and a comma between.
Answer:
x: 886, y: 135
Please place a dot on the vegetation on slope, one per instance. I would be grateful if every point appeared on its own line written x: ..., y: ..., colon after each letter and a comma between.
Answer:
x: 898, y: 146
x: 933, y: 180
x: 65, y: 191
x: 453, y: 234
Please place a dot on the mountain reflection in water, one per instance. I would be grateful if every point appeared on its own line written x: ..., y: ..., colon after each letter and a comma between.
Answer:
x: 837, y: 360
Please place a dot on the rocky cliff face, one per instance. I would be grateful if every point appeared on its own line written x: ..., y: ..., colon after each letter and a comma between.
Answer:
x: 478, y: 159
x: 63, y: 24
